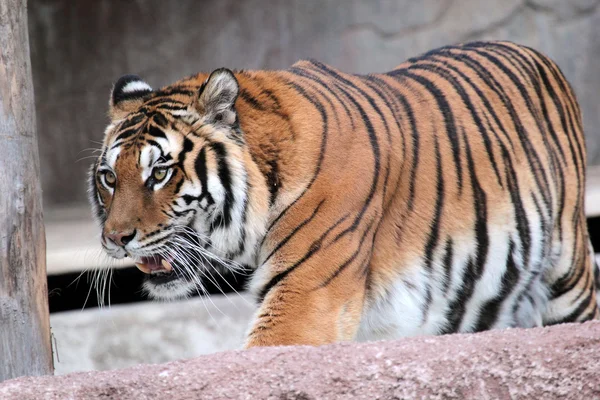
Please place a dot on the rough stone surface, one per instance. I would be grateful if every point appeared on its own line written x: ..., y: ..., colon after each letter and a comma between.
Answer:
x: 561, y: 362
x: 80, y: 48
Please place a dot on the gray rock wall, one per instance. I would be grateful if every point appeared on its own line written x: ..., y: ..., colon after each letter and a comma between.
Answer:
x: 80, y: 47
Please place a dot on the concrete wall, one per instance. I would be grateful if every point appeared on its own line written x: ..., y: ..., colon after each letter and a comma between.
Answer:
x: 80, y: 47
x: 148, y: 333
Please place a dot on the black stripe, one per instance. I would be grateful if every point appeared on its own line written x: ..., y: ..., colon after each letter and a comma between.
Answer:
x: 573, y: 109
x: 586, y: 283
x: 160, y: 120
x: 415, y: 150
x: 132, y: 120
x: 273, y: 181
x: 490, y: 81
x: 156, y: 132
x: 512, y: 182
x: 162, y: 100
x: 475, y: 267
x: 456, y: 309
x: 188, y: 146
x: 242, y: 240
x: 488, y: 313
x: 171, y: 90
x: 247, y: 97
x: 94, y: 194
x: 372, y: 138
x: 376, y: 168
x: 447, y: 263
x: 224, y: 218
x: 573, y: 316
x: 536, y: 165
x: 200, y: 168
x: 589, y: 316
x: 125, y: 134
x: 445, y: 109
x: 568, y: 281
x: 294, y: 231
x: 482, y: 97
x: 517, y: 59
x: 328, y: 86
x: 568, y: 131
x: 154, y: 233
x: 179, y: 183
x: 171, y: 108
x: 314, y: 248
x: 391, y: 96
x: 324, y: 119
x: 520, y: 214
x: 261, y: 105
x: 384, y: 91
x: 434, y: 233
x: 456, y: 84
x: 350, y: 259
x: 545, y: 112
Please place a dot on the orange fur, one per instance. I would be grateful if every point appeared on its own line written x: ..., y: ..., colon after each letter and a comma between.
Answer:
x: 358, y: 203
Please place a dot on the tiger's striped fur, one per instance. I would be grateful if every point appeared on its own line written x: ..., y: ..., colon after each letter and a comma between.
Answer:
x: 443, y: 196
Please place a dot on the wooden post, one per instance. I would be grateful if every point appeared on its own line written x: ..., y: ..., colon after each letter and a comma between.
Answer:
x: 24, y: 322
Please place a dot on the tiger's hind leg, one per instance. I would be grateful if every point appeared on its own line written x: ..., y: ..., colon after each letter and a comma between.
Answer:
x: 574, y: 293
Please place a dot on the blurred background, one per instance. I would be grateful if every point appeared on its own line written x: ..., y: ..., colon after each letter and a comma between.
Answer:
x: 79, y: 48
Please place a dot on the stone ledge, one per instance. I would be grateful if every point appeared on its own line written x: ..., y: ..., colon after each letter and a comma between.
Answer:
x: 124, y: 335
x: 73, y: 241
x: 543, y: 363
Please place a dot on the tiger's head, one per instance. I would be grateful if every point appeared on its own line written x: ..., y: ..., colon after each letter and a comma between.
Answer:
x: 175, y: 187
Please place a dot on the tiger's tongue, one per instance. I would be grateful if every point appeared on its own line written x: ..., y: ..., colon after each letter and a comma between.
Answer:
x: 154, y: 264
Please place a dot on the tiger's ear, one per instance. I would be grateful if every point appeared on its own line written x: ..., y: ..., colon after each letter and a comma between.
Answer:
x: 217, y: 95
x: 127, y: 95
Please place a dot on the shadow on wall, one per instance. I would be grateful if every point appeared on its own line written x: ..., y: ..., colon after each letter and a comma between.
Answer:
x: 79, y: 48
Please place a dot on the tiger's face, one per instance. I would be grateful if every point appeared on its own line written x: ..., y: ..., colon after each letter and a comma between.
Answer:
x: 170, y: 188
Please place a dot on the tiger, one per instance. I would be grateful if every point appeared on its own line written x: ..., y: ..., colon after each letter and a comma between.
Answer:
x: 443, y: 196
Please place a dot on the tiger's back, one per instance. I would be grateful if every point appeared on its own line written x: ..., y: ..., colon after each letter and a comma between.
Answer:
x: 467, y: 213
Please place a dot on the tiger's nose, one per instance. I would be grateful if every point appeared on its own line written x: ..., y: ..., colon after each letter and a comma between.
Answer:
x: 121, y: 238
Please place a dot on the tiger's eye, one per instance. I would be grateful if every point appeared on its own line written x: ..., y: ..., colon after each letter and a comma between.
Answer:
x: 110, y: 178
x: 159, y: 174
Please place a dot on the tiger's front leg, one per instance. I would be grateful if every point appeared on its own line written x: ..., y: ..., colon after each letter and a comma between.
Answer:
x: 315, y: 303
x: 293, y: 315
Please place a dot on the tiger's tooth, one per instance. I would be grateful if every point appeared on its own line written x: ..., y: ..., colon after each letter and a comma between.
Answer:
x: 167, y: 265
x: 143, y: 268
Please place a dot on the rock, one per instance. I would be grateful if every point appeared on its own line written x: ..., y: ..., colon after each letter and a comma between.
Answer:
x: 559, y: 362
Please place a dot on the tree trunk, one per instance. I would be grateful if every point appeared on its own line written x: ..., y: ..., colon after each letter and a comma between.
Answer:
x: 25, y: 347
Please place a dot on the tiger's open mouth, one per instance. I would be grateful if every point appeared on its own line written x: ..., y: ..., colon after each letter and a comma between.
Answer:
x: 179, y: 267
x: 154, y: 264
x: 159, y: 269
